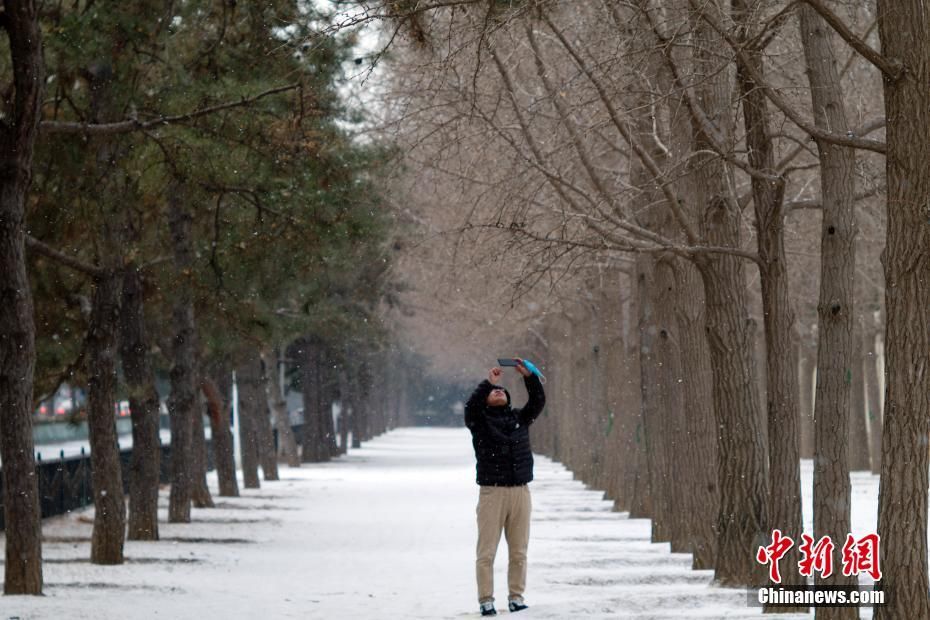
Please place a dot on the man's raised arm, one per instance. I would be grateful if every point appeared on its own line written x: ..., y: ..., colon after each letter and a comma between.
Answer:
x: 479, y: 397
x: 537, y: 401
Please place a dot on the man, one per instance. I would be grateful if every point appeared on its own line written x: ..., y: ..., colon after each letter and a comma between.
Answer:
x: 500, y: 435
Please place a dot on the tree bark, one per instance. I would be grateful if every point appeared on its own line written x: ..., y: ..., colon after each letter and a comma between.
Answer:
x: 741, y: 475
x: 252, y: 401
x: 278, y: 405
x: 806, y: 367
x: 222, y: 439
x: 742, y: 481
x: 858, y: 431
x: 699, y: 456
x: 696, y: 498
x: 835, y: 308
x: 23, y: 566
x: 672, y: 399
x: 182, y: 402
x: 360, y: 413
x: 311, y: 383
x: 268, y: 456
x: 329, y: 388
x: 106, y: 472
x: 629, y: 411
x: 603, y: 319
x: 902, y: 504
x: 654, y: 325
x: 200, y: 492
x: 345, y: 405
x: 874, y: 403
x: 781, y: 375
x: 143, y: 406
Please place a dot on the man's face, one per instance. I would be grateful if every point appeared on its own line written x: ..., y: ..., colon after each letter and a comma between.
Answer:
x: 497, y: 398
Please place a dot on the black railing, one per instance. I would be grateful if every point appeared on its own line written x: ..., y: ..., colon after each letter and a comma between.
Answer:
x: 65, y: 484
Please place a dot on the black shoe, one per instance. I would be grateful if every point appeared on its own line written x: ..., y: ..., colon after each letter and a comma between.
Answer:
x: 516, y: 604
x: 487, y: 609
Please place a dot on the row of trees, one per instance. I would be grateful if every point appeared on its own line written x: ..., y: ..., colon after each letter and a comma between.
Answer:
x: 685, y: 195
x: 181, y: 194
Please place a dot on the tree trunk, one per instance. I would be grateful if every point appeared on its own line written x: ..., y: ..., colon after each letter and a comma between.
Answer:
x: 781, y: 365
x: 103, y: 332
x: 278, y: 405
x: 835, y: 306
x: 223, y: 452
x: 23, y: 566
x: 312, y: 439
x: 266, y: 450
x: 696, y: 498
x: 143, y: 406
x: 672, y: 398
x: 806, y: 371
x: 200, y: 492
x: 602, y: 330
x: 858, y: 432
x: 182, y: 402
x: 360, y: 413
x: 106, y: 473
x: 902, y: 504
x: 741, y: 475
x: 741, y: 449
x: 329, y: 388
x: 660, y: 367
x: 699, y: 457
x: 874, y: 403
x: 653, y: 412
x: 630, y: 410
x: 640, y: 491
x: 345, y: 404
x: 252, y: 401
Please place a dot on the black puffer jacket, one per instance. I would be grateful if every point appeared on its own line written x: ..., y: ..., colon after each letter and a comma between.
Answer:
x: 501, y: 435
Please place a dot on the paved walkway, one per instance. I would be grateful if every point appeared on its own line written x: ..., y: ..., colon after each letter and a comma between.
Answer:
x: 387, y: 531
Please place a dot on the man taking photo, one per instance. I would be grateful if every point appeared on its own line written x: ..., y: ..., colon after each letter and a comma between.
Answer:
x: 501, y: 438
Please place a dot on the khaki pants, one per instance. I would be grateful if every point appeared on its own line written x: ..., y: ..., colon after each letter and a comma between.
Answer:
x: 506, y: 508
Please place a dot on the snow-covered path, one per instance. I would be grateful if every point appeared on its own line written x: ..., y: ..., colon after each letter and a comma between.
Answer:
x: 386, y: 532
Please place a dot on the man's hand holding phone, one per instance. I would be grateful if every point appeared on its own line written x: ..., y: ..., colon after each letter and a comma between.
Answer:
x: 516, y: 362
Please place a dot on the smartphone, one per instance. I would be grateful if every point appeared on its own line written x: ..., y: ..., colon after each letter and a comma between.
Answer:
x: 506, y: 361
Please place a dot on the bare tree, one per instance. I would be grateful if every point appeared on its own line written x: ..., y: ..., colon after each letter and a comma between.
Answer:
x: 836, y: 305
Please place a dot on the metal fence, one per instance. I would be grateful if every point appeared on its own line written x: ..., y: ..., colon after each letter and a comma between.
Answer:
x: 65, y: 483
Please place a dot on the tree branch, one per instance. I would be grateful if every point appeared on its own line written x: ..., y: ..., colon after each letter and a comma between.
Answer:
x: 813, y: 131
x: 619, y: 244
x: 704, y: 124
x: 648, y: 162
x: 60, y: 257
x: 816, y: 203
x: 130, y: 125
x: 556, y: 181
x: 892, y: 68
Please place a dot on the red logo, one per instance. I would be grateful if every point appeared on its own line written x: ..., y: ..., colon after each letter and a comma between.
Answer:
x: 773, y: 553
x: 817, y: 557
x: 861, y: 556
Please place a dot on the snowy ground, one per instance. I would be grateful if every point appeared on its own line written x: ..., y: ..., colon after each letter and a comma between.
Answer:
x: 386, y: 532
